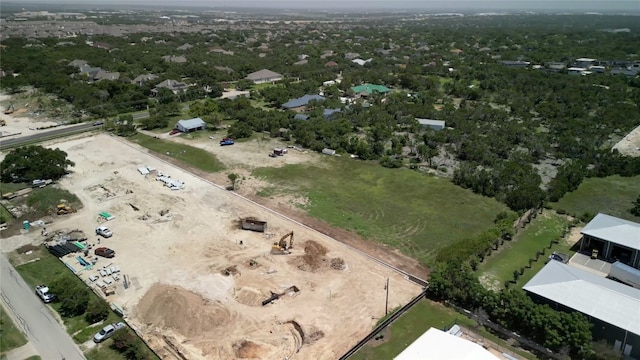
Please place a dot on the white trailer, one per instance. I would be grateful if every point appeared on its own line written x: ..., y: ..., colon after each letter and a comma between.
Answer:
x: 625, y: 274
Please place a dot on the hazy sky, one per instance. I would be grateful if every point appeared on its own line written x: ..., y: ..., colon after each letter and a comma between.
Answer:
x: 487, y: 5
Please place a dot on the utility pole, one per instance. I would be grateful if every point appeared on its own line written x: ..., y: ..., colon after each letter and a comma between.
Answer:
x: 386, y: 303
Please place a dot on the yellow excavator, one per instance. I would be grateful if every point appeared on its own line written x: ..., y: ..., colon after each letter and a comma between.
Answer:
x: 281, y: 247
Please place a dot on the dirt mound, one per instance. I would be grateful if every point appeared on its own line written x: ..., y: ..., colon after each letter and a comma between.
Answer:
x: 181, y: 310
x: 249, y: 296
x: 314, y: 256
x: 246, y: 349
x: 337, y: 264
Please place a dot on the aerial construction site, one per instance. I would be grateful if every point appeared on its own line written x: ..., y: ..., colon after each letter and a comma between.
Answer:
x: 208, y: 274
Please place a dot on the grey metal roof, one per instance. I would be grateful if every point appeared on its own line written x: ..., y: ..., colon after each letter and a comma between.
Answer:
x: 588, y: 293
x: 431, y: 122
x: 263, y: 74
x: 615, y: 230
x: 301, y: 101
x: 192, y: 123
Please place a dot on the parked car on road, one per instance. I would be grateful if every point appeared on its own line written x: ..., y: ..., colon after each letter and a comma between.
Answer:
x: 104, y: 231
x: 105, y: 252
x: 43, y: 293
x: 108, y: 331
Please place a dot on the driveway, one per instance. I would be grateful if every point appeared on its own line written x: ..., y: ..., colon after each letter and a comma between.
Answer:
x: 44, y: 333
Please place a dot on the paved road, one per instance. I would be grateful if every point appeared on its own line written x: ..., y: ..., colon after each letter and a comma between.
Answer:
x: 7, y: 142
x: 45, y: 334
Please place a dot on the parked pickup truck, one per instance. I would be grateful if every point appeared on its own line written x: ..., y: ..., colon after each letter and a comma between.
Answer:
x: 104, y: 252
x: 43, y: 293
x: 108, y: 331
x: 227, y: 141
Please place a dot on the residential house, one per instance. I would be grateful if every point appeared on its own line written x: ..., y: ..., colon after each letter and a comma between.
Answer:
x: 78, y: 63
x: 102, y: 45
x: 303, y: 117
x: 330, y: 64
x: 300, y: 104
x: 577, y: 71
x: 173, y: 85
x: 141, y: 79
x: 456, y: 51
x: 264, y: 76
x: 106, y: 75
x: 224, y: 69
x: 368, y: 89
x: 301, y: 62
x: 175, y: 59
x: 351, y: 55
x: 218, y: 50
x: 190, y: 125
x: 584, y: 62
x: 330, y: 113
x: 433, y: 124
x: 361, y: 62
x: 327, y: 53
x: 184, y: 47
x: 515, y: 64
x: 556, y: 66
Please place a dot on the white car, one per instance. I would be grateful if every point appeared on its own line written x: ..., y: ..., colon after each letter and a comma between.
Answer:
x: 104, y: 231
x: 108, y: 331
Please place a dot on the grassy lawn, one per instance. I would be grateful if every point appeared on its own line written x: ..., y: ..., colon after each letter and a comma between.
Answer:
x: 10, y: 336
x: 415, y: 322
x: 47, y: 198
x: 416, y: 213
x: 5, y: 215
x: 612, y: 195
x: 499, y: 267
x: 193, y: 156
x: 12, y: 187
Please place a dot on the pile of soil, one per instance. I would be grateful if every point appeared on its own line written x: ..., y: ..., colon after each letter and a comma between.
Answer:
x: 246, y: 349
x: 314, y: 256
x: 181, y: 310
x: 338, y: 264
x: 313, y: 335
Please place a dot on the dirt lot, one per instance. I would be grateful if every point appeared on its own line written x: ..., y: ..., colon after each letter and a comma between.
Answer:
x: 22, y: 122
x: 174, y: 249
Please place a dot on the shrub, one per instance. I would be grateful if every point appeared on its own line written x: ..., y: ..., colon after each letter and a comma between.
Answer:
x: 97, y: 310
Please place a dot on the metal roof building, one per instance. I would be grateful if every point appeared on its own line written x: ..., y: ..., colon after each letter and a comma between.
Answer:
x: 434, y: 124
x: 435, y: 344
x: 264, y: 76
x: 613, y: 238
x: 370, y: 89
x: 613, y: 308
x: 301, y: 101
x: 191, y: 125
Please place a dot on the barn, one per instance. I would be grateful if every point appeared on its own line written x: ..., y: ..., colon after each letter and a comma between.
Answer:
x: 190, y: 125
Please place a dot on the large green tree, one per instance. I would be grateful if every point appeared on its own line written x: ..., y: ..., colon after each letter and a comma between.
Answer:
x: 34, y: 162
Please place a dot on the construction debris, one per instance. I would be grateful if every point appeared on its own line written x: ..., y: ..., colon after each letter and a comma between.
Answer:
x: 276, y: 296
x: 230, y: 271
x: 134, y: 207
x: 337, y: 264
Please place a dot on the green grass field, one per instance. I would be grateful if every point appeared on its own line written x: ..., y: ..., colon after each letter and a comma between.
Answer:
x: 415, y: 322
x: 47, y: 198
x: 12, y: 187
x: 10, y: 336
x: 416, y: 213
x: 612, y: 195
x: 193, y: 156
x: 499, y: 267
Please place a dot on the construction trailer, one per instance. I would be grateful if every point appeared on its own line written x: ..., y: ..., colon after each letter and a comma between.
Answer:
x: 254, y: 225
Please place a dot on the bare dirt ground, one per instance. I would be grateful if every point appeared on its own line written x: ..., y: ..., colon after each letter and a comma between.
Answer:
x: 630, y: 144
x: 22, y: 122
x: 174, y: 251
x: 242, y: 157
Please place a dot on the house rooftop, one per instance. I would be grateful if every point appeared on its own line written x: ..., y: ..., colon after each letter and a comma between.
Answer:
x: 301, y: 101
x: 263, y: 74
x: 595, y: 296
x: 615, y: 230
x: 430, y: 122
x: 370, y: 88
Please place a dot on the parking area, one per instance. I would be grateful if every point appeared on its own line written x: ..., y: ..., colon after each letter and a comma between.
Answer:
x: 585, y: 262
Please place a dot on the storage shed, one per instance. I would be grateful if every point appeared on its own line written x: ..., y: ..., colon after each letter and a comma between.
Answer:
x: 190, y: 125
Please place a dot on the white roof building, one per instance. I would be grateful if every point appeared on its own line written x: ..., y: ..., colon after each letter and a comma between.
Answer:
x: 435, y: 344
x: 613, y: 236
x: 601, y: 299
x: 434, y: 124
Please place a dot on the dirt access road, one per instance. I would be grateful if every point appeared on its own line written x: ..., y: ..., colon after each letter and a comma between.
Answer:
x: 174, y: 250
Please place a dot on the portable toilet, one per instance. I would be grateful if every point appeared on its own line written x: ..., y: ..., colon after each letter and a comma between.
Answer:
x: 26, y: 225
